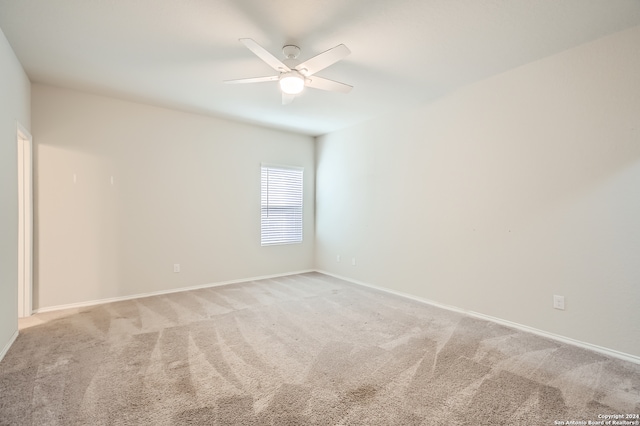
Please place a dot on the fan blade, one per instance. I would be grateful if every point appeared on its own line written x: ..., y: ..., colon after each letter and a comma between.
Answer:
x: 262, y: 53
x: 326, y: 84
x: 287, y: 99
x: 323, y: 60
x: 253, y: 80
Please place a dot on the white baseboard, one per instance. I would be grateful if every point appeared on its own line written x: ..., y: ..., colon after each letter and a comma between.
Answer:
x: 557, y: 337
x: 161, y: 292
x: 8, y: 345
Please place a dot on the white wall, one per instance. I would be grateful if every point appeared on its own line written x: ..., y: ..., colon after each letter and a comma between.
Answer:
x: 497, y: 197
x: 14, y: 107
x: 186, y: 190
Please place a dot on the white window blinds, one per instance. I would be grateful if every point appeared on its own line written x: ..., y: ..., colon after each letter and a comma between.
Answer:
x: 281, y: 205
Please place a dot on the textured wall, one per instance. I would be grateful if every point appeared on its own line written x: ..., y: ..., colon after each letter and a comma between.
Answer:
x: 14, y: 107
x: 186, y: 189
x: 500, y: 195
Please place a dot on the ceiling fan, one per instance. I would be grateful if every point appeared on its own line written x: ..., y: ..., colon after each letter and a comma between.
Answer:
x: 293, y: 76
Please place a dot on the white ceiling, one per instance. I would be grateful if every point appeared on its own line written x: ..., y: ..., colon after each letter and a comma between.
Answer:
x: 176, y: 53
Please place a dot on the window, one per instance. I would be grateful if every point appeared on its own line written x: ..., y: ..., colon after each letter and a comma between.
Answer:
x: 281, y: 205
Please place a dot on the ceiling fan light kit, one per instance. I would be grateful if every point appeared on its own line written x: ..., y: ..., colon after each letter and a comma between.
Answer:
x: 293, y: 76
x: 291, y: 83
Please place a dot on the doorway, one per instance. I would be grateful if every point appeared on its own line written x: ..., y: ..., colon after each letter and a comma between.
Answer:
x: 25, y: 222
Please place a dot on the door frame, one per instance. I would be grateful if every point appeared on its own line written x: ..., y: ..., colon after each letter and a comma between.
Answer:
x: 25, y: 221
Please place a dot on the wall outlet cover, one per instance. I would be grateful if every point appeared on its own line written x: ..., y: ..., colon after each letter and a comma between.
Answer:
x: 558, y: 302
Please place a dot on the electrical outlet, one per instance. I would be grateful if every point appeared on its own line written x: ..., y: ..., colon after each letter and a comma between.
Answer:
x: 176, y: 267
x: 338, y: 258
x: 558, y: 302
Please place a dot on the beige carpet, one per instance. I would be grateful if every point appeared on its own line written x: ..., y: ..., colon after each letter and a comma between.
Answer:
x: 301, y: 350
